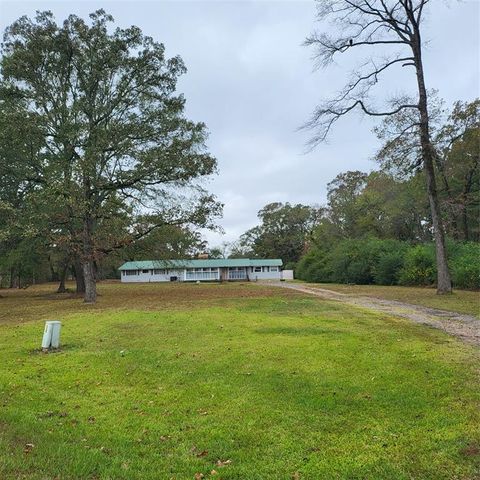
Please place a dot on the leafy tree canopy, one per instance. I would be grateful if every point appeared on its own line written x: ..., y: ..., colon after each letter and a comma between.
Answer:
x: 94, y: 131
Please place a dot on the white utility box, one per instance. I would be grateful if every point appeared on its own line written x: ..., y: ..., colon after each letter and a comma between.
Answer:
x: 51, y: 335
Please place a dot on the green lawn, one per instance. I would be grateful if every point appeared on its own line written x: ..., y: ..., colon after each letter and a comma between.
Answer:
x: 462, y: 301
x: 234, y: 382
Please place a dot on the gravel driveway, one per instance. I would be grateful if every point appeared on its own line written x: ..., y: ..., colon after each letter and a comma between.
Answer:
x: 464, y: 327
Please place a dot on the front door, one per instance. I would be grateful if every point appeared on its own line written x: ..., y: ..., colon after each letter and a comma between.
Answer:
x: 223, y: 274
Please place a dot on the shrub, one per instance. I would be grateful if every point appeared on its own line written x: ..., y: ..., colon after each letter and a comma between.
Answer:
x: 465, y: 265
x: 388, y: 268
x: 350, y: 262
x: 311, y: 267
x: 419, y: 266
x: 389, y: 262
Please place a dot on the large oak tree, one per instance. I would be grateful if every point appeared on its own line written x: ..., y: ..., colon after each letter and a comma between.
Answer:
x: 115, y: 142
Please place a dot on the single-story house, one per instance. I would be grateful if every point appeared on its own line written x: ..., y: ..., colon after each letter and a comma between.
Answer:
x: 201, y: 270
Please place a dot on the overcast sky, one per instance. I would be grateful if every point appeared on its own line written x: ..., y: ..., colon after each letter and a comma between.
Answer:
x: 253, y: 83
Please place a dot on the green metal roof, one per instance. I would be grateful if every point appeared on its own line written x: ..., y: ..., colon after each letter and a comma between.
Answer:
x: 215, y: 263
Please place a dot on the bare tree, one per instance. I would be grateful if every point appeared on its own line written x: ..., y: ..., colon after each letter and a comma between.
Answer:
x: 380, y: 25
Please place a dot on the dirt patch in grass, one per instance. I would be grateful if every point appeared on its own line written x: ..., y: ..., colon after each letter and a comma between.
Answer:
x: 472, y: 450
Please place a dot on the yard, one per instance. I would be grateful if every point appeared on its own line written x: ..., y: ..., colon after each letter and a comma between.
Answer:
x: 230, y: 381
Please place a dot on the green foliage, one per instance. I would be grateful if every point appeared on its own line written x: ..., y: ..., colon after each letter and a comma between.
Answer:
x: 283, y: 233
x: 361, y: 261
x: 388, y: 262
x: 465, y: 265
x: 377, y: 227
x: 388, y: 268
x: 419, y: 266
x: 350, y: 262
x: 457, y: 164
x: 312, y: 267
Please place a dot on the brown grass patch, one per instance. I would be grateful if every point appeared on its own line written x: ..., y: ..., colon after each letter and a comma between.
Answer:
x: 40, y: 302
x: 471, y: 450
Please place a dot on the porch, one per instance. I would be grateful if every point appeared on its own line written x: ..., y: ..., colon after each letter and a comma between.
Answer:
x: 236, y: 273
x: 202, y: 274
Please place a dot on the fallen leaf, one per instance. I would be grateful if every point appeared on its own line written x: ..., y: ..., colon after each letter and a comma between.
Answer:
x: 198, y: 453
x: 296, y: 476
x: 199, y: 476
x: 28, y: 447
x: 223, y: 463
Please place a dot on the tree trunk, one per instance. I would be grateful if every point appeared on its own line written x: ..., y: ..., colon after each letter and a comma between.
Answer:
x: 88, y: 261
x: 466, y: 232
x: 444, y: 283
x: 53, y: 274
x: 12, y: 277
x: 90, y: 285
x: 80, y: 281
x: 63, y: 274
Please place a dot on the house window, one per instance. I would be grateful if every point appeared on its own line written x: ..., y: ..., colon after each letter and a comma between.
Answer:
x: 257, y: 269
x: 131, y: 272
x: 159, y: 271
x: 274, y: 269
x: 145, y: 271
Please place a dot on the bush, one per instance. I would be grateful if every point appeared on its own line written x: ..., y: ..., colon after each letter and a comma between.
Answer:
x: 388, y: 268
x: 311, y: 267
x: 465, y: 265
x: 389, y: 262
x: 350, y: 262
x: 419, y: 266
x: 360, y: 261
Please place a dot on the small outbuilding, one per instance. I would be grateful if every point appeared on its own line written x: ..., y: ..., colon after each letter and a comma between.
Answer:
x: 201, y: 270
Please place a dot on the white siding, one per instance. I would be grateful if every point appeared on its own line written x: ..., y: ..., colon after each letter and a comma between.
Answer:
x: 151, y: 277
x: 287, y: 274
x: 265, y: 274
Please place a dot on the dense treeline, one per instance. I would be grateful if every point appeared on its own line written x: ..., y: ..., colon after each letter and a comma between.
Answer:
x: 35, y: 260
x: 376, y: 227
x: 389, y: 262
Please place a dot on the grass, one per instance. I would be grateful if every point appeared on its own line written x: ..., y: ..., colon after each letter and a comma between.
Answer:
x: 231, y: 382
x: 462, y: 301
